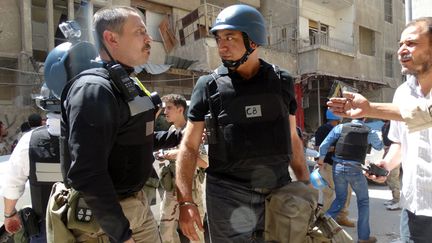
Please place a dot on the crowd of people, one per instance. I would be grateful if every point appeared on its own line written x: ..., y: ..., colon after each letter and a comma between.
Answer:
x: 89, y: 164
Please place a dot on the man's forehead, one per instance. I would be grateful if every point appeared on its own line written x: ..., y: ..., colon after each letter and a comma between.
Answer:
x: 135, y: 20
x: 414, y: 31
x: 167, y: 103
x: 227, y: 32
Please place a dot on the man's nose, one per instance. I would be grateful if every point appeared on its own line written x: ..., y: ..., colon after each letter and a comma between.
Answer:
x: 402, y: 49
x: 148, y: 39
x: 222, y: 46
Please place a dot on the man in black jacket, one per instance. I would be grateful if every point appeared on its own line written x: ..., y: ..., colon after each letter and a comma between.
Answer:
x: 110, y: 138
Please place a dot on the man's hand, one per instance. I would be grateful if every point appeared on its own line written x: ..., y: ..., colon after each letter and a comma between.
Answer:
x: 170, y: 154
x: 189, y: 217
x: 131, y: 240
x: 12, y: 224
x: 379, y: 179
x: 352, y: 105
x: 320, y: 163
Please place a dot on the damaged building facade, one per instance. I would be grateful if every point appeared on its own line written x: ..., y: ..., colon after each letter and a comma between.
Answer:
x: 317, y: 41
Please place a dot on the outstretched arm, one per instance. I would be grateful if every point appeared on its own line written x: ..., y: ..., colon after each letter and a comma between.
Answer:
x: 355, y: 105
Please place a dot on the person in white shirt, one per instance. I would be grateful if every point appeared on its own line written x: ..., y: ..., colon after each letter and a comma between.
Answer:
x: 414, y: 146
x: 40, y: 164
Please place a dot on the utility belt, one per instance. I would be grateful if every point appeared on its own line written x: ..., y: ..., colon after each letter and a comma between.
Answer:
x: 167, y: 176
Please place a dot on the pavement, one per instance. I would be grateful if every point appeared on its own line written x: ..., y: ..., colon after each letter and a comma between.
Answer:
x: 384, y: 223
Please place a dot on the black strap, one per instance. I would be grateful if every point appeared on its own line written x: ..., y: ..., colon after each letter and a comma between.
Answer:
x: 212, y: 85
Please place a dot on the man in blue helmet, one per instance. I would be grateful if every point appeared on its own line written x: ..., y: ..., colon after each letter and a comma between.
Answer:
x: 326, y: 170
x: 248, y: 108
x: 35, y: 159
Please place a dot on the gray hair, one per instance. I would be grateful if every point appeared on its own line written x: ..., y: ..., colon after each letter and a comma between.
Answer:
x: 427, y: 23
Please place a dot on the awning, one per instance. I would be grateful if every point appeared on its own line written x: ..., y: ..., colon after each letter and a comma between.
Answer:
x: 153, y: 68
x: 346, y: 77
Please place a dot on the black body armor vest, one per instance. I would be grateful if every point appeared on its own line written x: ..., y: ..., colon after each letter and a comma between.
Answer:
x: 44, y: 167
x: 134, y: 141
x: 252, y: 123
x: 353, y: 143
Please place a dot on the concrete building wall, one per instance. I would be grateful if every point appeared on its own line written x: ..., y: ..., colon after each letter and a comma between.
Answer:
x: 343, y: 29
x: 181, y: 4
x: 10, y: 38
x: 283, y: 60
x: 226, y: 3
x: 280, y: 12
x: 387, y: 35
x: 203, y: 51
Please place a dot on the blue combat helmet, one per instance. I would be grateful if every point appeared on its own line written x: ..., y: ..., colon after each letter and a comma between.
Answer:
x: 317, y: 181
x: 243, y: 18
x: 65, y: 62
x: 332, y: 117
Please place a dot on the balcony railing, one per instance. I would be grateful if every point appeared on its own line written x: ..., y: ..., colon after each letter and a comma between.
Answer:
x: 283, y: 38
x: 318, y: 40
x: 196, y: 24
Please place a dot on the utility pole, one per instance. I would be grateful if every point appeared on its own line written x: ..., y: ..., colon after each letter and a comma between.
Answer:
x: 408, y: 11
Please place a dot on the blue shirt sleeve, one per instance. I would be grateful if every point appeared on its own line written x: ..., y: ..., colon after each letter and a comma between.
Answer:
x: 374, y: 140
x: 329, y: 140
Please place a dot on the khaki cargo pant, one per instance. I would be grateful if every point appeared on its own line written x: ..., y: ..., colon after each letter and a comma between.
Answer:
x: 329, y: 192
x: 393, y: 183
x: 170, y: 213
x: 142, y: 223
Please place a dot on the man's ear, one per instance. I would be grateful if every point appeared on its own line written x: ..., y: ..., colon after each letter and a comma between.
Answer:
x: 253, y: 45
x: 110, y: 38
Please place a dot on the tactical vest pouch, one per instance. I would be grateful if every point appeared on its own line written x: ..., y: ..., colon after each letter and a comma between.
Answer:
x: 29, y: 221
x: 289, y: 211
x: 56, y: 216
x: 79, y: 215
x: 65, y: 207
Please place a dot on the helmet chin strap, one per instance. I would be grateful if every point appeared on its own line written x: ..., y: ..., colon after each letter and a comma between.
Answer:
x: 235, y: 64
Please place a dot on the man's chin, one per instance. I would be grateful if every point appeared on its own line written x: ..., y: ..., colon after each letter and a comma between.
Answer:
x: 406, y: 71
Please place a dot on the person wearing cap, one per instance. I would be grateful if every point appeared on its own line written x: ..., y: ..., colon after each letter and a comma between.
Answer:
x: 35, y: 159
x: 325, y: 170
x: 248, y: 108
x: 351, y: 142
